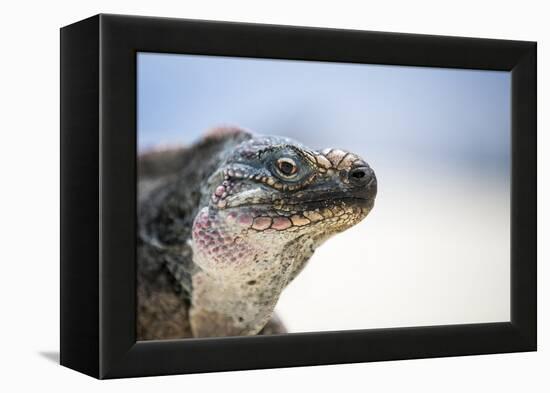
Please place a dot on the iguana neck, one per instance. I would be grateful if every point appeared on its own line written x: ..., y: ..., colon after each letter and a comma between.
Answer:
x: 241, y: 279
x: 231, y: 306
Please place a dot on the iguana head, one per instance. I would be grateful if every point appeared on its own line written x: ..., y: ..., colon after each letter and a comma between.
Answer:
x: 263, y: 212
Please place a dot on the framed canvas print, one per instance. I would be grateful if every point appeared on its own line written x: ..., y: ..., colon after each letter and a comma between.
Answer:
x: 238, y: 196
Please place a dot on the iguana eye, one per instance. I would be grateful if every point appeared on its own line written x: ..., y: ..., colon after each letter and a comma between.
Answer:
x: 287, y: 167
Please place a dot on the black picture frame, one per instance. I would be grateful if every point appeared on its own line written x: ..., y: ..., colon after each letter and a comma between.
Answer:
x: 98, y: 196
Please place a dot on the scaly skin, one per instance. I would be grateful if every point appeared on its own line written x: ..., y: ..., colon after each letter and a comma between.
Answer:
x: 267, y: 204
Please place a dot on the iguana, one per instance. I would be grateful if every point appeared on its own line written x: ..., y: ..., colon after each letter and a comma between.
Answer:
x: 226, y: 224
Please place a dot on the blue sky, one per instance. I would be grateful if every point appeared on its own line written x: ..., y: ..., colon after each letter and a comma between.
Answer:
x: 397, y: 113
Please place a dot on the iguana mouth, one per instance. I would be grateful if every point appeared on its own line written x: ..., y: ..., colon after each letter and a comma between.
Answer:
x: 341, y: 212
x: 362, y: 197
x: 308, y: 204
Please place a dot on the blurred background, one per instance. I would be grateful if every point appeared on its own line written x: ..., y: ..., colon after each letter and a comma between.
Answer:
x: 435, y: 248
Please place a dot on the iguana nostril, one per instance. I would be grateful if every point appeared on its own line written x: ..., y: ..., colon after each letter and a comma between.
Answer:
x: 359, y: 175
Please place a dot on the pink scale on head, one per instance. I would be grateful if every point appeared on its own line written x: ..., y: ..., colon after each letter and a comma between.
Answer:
x: 281, y: 223
x: 219, y: 191
x: 245, y: 219
x: 261, y: 223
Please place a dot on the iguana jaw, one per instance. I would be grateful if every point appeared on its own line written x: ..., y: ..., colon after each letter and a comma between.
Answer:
x: 248, y: 254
